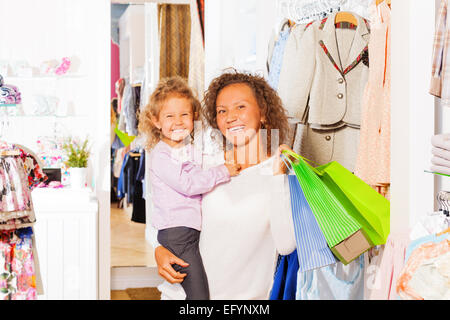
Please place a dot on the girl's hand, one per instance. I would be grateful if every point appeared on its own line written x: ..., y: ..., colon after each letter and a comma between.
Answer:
x: 278, y: 166
x: 233, y: 169
x: 164, y: 259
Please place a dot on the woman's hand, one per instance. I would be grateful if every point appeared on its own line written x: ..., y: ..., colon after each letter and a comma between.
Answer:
x: 279, y: 167
x: 164, y: 259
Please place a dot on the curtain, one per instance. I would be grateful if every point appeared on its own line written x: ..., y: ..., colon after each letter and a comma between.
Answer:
x: 196, y: 79
x: 174, y: 34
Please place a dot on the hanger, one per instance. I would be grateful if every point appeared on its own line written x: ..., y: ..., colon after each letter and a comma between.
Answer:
x: 443, y: 232
x: 134, y: 154
x: 344, y: 16
x: 6, y: 153
x: 387, y: 1
x: 443, y: 198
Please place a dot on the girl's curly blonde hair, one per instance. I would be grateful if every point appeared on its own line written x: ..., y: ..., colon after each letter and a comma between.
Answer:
x: 268, y: 101
x: 166, y: 88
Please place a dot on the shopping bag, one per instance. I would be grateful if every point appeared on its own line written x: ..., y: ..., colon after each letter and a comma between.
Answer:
x: 312, y: 248
x: 362, y: 202
x: 123, y: 136
x: 343, y: 233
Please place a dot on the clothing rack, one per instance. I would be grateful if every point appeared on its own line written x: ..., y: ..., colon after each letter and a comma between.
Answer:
x: 9, y: 153
x: 305, y: 11
x: 18, y: 219
x: 443, y: 197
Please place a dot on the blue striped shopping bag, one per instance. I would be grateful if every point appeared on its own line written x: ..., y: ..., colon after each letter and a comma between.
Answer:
x: 312, y: 249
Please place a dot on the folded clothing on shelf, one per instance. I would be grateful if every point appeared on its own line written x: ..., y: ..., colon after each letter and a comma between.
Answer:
x: 441, y: 153
x: 441, y: 141
x: 438, y: 161
x: 9, y: 94
x: 441, y: 169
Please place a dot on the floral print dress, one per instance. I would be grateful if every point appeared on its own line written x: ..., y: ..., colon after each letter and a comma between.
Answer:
x: 18, y: 176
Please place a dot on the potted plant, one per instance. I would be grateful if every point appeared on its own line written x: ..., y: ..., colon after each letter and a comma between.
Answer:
x: 77, y: 161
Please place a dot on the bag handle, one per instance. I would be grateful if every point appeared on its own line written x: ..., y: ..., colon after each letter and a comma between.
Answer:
x: 298, y: 157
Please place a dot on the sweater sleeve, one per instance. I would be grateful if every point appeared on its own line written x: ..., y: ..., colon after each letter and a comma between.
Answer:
x: 187, y: 178
x: 281, y: 222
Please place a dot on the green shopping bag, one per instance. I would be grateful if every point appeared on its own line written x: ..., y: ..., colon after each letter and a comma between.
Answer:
x: 123, y: 136
x: 344, y: 234
x: 363, y: 203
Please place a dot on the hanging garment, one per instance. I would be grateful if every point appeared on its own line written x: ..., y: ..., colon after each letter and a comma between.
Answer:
x: 335, y: 282
x: 330, y: 90
x: 17, y: 223
x: 14, y: 191
x: 373, y: 159
x: 121, y: 191
x: 427, y: 225
x: 18, y: 175
x: 313, y: 251
x: 335, y: 76
x: 5, y: 216
x: 17, y: 266
x: 288, y: 80
x: 128, y: 119
x: 426, y: 274
x: 440, y: 71
x: 276, y: 58
x: 325, y: 145
x: 134, y: 189
x: 426, y: 239
x: 285, y: 280
x: 383, y: 269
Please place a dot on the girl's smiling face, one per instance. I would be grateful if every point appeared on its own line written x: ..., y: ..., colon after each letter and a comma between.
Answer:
x: 175, y: 120
x: 238, y: 114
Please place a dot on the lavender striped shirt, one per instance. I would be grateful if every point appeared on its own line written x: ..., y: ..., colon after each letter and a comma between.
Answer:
x: 177, y: 185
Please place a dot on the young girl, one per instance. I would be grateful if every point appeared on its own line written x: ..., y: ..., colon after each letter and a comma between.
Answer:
x: 177, y: 183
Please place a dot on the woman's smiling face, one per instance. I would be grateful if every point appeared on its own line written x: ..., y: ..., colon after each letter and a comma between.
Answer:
x: 238, y: 113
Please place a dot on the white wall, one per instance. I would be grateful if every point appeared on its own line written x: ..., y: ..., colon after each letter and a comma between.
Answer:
x: 412, y: 112
x: 132, y: 42
x: 36, y: 31
x: 237, y: 35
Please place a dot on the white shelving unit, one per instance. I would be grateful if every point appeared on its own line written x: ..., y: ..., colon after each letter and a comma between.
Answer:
x: 49, y: 30
x: 65, y: 232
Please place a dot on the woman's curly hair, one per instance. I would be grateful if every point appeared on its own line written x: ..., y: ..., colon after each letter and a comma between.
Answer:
x: 167, y: 88
x: 268, y: 100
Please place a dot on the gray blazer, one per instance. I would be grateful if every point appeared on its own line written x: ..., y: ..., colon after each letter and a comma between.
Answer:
x: 329, y: 74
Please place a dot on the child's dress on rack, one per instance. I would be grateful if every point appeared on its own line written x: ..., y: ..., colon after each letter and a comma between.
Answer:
x: 19, y: 267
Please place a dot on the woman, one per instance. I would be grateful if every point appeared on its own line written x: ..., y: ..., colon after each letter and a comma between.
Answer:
x: 247, y: 221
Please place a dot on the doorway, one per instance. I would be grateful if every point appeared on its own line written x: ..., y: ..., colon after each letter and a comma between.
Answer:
x: 139, y: 32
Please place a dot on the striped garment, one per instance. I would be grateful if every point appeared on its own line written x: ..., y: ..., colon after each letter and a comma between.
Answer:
x: 312, y: 248
x: 440, y: 77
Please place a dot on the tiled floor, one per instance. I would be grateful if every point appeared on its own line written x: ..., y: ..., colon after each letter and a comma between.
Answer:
x: 128, y: 245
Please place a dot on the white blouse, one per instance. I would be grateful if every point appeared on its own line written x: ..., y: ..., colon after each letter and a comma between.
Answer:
x: 245, y: 223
